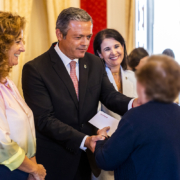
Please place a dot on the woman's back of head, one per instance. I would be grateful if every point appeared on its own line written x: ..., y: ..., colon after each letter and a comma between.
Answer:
x: 161, y: 78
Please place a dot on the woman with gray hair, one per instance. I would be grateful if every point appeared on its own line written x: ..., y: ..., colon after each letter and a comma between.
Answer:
x: 146, y: 143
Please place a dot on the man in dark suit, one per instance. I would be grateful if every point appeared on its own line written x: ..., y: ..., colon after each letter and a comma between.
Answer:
x: 64, y: 96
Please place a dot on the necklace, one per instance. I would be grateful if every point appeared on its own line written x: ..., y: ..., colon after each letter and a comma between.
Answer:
x: 117, y: 78
x: 115, y: 73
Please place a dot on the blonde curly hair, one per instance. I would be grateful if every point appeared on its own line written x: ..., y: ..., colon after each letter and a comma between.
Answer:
x: 10, y: 28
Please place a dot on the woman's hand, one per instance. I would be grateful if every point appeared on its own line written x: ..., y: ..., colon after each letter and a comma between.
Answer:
x: 31, y: 177
x: 137, y: 102
x: 35, y: 170
x: 33, y: 159
x: 39, y: 173
x: 103, y: 132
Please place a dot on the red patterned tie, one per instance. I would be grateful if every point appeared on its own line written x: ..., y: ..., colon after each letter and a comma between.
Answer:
x: 73, y: 75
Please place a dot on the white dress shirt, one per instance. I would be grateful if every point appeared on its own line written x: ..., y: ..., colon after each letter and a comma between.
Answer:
x: 66, y: 62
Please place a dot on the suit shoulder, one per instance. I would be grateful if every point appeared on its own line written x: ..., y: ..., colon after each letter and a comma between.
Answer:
x: 93, y: 59
x: 39, y: 60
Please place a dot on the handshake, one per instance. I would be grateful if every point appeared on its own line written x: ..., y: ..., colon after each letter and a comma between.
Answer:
x: 90, y: 142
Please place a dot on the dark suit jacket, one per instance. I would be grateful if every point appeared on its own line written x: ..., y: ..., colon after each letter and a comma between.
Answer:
x: 61, y: 120
x: 145, y: 146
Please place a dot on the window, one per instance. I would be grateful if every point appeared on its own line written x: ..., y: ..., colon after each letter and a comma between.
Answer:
x: 158, y: 26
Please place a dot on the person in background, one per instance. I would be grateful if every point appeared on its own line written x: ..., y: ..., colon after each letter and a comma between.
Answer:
x: 17, y: 132
x: 146, y: 143
x: 110, y: 46
x: 169, y: 52
x: 137, y: 58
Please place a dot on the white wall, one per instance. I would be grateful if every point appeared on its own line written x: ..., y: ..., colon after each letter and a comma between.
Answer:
x: 1, y: 5
x: 116, y: 15
x: 75, y: 3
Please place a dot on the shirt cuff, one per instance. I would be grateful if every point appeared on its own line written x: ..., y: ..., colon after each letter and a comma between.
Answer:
x: 16, y: 160
x: 130, y: 103
x: 82, y: 143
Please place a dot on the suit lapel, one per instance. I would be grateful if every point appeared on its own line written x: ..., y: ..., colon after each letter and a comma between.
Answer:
x: 83, y: 79
x: 61, y: 71
x: 126, y: 84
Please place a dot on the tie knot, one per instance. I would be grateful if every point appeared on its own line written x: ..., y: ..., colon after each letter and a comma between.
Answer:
x: 73, y: 64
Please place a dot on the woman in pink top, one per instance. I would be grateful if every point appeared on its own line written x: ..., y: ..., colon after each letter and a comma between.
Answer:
x: 17, y: 132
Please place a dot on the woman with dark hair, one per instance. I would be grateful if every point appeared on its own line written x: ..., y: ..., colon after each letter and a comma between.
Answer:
x: 17, y: 132
x: 146, y: 143
x: 137, y: 58
x: 110, y: 46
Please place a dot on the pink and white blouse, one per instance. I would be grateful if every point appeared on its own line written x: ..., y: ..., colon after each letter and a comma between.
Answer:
x: 17, y: 131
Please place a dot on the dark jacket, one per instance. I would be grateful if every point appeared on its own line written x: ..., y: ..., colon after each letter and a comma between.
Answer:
x: 145, y: 146
x: 61, y: 120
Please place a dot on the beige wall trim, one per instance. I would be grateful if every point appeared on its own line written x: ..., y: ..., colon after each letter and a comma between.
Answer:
x: 116, y: 15
x: 1, y: 5
x: 75, y: 3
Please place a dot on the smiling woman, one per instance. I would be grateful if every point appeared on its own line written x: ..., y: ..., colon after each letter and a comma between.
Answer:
x: 7, y: 40
x: 15, y: 50
x: 17, y: 150
x: 110, y: 46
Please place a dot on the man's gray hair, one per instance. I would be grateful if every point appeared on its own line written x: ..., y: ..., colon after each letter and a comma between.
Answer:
x: 68, y: 15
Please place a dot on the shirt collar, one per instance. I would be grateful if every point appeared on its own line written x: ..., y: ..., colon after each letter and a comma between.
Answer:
x: 64, y: 58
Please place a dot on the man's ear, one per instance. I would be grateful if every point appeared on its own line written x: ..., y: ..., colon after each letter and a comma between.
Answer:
x: 59, y: 34
x: 99, y: 54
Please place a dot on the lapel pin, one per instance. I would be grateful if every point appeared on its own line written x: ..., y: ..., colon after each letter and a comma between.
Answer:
x: 85, y: 66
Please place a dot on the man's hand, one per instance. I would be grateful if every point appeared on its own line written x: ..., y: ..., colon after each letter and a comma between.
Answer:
x: 136, y: 102
x: 103, y: 132
x: 90, y: 142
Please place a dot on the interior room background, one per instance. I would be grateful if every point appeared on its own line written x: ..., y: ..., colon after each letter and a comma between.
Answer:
x: 154, y: 25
